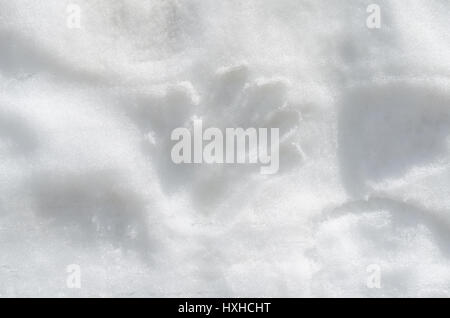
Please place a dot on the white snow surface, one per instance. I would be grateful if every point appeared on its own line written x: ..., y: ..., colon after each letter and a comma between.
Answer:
x: 85, y: 170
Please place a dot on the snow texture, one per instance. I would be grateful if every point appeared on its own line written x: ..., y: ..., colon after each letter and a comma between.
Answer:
x: 85, y: 170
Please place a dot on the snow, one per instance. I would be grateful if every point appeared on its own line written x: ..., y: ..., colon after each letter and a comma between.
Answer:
x: 86, y: 176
